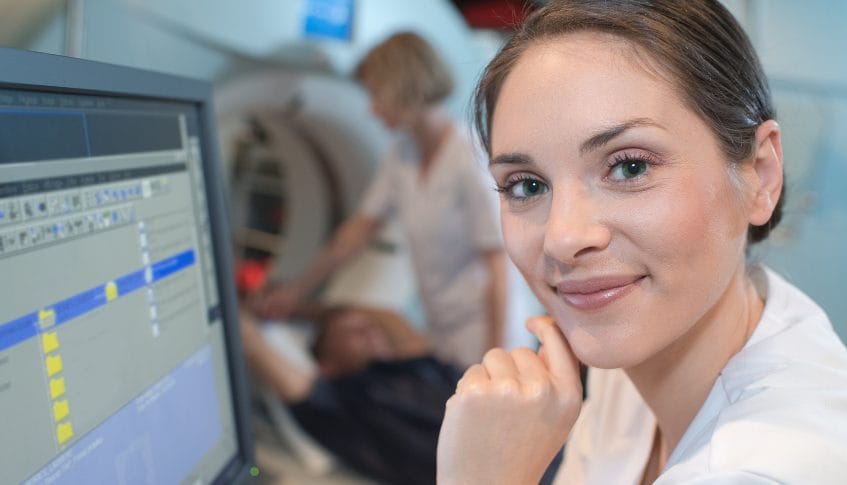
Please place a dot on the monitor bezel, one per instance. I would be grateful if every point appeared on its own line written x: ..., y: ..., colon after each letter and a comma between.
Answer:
x: 35, y: 71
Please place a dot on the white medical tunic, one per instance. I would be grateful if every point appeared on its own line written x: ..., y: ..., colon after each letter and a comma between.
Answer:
x: 449, y: 218
x: 777, y: 413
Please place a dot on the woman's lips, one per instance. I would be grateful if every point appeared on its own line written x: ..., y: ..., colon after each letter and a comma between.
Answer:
x: 595, y: 293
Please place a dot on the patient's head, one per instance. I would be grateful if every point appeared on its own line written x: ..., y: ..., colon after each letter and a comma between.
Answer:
x: 348, y: 340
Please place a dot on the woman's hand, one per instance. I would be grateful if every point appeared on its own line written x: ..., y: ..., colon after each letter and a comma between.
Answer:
x: 511, y: 414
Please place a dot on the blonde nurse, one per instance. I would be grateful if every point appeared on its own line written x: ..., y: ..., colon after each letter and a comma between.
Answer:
x: 433, y: 181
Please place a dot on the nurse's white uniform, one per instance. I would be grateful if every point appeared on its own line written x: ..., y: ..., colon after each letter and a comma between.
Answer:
x: 449, y: 218
x: 777, y: 413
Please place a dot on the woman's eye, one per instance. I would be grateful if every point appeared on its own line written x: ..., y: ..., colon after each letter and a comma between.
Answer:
x: 527, y: 188
x: 628, y: 169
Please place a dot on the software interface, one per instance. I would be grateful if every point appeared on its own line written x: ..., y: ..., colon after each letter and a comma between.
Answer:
x: 112, y: 355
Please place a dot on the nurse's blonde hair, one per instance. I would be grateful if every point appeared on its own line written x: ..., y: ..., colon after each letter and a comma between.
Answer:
x: 406, y: 69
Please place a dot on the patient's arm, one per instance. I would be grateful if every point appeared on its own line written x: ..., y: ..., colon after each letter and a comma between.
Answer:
x: 290, y: 382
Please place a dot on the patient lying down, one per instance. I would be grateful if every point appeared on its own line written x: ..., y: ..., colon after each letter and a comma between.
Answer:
x: 378, y: 399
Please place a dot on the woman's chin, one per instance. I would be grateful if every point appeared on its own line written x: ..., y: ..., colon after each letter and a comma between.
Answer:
x: 604, y: 361
x: 605, y: 355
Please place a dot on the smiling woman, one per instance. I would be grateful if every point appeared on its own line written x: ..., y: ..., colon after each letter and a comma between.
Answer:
x: 638, y: 200
x: 636, y: 153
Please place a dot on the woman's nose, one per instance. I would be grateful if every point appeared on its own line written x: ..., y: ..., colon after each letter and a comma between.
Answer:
x: 574, y: 227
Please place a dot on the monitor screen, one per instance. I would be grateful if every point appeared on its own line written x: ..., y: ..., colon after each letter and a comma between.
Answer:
x: 119, y: 357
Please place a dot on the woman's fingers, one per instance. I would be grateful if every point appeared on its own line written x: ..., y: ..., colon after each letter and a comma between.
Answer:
x: 473, y: 378
x: 523, y: 370
x: 555, y: 349
x: 531, y: 368
x: 499, y: 364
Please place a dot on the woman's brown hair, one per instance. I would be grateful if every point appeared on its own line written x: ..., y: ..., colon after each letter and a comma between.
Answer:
x: 697, y: 42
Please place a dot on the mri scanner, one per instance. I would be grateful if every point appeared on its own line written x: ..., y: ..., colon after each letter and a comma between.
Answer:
x: 302, y: 149
x: 301, y: 146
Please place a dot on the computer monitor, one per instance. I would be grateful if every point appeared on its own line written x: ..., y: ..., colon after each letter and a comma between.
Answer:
x: 119, y: 352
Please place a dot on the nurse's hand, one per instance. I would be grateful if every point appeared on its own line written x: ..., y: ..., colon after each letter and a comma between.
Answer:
x: 278, y: 302
x: 511, y: 414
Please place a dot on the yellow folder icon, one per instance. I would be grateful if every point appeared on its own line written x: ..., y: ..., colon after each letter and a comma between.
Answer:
x: 46, y: 317
x: 64, y: 432
x: 57, y: 387
x: 54, y: 365
x: 61, y: 410
x: 111, y: 291
x: 49, y: 341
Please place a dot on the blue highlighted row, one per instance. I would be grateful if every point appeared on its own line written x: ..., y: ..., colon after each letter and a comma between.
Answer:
x: 27, y: 326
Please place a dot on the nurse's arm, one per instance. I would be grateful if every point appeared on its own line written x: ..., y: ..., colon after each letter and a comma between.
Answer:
x: 283, y: 300
x: 348, y: 241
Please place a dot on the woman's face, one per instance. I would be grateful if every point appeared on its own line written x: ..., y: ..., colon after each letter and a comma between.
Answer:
x: 617, y: 204
x: 385, y: 107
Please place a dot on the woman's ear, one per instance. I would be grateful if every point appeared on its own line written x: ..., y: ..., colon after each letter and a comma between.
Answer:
x: 767, y: 167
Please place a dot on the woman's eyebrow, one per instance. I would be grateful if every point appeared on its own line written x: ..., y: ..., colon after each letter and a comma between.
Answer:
x: 608, y: 134
x: 513, y: 158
